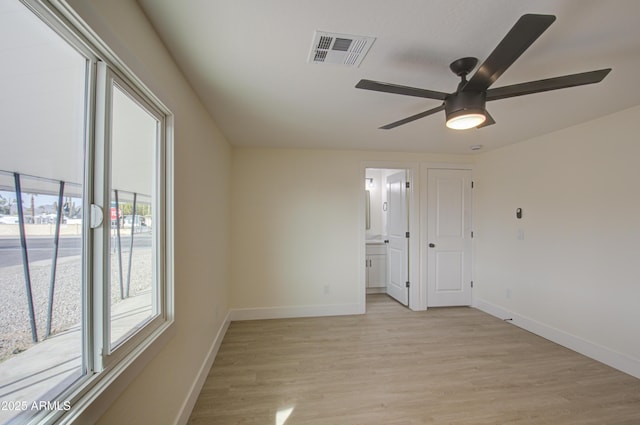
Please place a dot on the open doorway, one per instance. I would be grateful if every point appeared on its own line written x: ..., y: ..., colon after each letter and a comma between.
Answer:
x: 387, y: 222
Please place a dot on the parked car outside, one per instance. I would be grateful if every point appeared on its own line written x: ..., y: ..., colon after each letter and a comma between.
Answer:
x: 139, y: 224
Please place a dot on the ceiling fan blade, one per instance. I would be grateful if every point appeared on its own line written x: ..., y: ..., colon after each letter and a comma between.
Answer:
x: 548, y: 84
x: 396, y: 89
x: 527, y: 30
x: 488, y: 121
x: 413, y: 118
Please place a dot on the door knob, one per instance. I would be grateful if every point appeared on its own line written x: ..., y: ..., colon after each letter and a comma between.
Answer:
x: 432, y: 245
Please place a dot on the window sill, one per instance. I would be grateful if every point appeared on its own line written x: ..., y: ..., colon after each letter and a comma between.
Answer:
x: 104, y: 388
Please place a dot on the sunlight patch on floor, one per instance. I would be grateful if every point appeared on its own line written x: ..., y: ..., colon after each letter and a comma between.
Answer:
x: 283, y: 414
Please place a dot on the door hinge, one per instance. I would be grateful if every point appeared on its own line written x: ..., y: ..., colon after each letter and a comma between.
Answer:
x: 472, y: 283
x: 407, y: 234
x: 408, y: 284
x: 471, y: 185
x: 472, y: 235
x: 407, y: 185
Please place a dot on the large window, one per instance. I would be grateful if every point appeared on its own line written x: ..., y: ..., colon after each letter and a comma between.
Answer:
x: 85, y: 251
x: 133, y: 135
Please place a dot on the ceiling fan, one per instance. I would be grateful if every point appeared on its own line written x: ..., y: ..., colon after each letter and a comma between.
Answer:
x: 465, y: 107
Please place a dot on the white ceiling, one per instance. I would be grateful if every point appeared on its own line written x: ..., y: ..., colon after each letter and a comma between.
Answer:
x: 247, y: 60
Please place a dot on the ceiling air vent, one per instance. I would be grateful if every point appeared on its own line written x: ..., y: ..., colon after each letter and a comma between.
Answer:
x: 341, y: 49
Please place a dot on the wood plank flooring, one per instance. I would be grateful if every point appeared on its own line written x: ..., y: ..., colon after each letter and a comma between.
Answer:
x: 393, y: 366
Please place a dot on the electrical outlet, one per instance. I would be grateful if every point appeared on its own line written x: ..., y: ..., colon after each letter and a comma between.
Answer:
x: 507, y: 293
x: 327, y: 289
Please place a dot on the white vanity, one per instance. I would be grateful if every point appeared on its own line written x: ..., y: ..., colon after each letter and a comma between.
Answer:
x: 376, y: 266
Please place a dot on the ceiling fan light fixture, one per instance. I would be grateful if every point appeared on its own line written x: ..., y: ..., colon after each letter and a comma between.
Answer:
x: 465, y: 110
x: 465, y: 120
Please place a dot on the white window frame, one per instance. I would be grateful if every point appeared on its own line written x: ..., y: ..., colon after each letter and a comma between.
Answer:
x: 108, y: 78
x: 103, y: 367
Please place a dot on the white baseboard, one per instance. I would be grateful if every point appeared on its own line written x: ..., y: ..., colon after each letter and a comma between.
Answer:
x: 597, y: 352
x: 381, y: 290
x: 261, y: 313
x: 194, y: 391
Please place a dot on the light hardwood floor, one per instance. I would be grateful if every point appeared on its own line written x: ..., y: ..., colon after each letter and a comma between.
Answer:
x: 393, y: 366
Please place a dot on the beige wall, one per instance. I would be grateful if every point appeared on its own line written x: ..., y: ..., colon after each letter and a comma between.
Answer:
x: 202, y: 169
x: 576, y: 270
x: 296, y: 225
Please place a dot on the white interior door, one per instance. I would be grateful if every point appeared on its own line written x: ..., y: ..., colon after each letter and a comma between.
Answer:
x: 449, y: 237
x: 397, y: 227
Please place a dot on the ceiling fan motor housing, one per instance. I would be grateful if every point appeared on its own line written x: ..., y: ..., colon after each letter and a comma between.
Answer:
x: 463, y: 103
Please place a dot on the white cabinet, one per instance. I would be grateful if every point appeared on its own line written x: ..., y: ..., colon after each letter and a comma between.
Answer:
x: 376, y: 267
